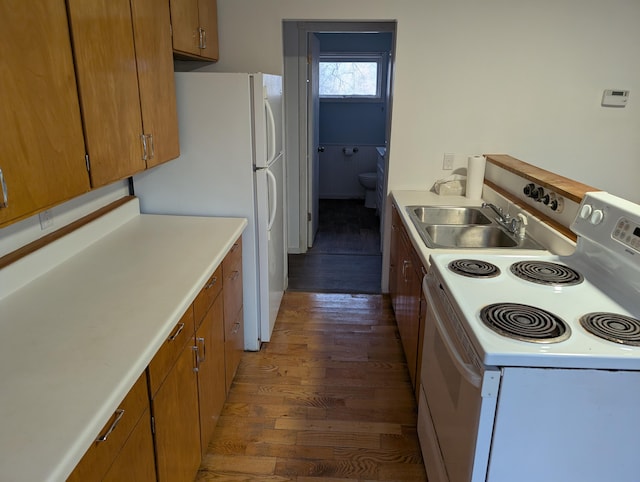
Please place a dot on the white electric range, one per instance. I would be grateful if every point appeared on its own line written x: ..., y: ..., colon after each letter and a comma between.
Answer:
x: 531, y: 364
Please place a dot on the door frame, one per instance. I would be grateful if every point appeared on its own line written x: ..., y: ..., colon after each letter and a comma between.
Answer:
x: 295, y: 36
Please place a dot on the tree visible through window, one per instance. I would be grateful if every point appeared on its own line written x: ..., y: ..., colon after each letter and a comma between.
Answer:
x: 349, y: 77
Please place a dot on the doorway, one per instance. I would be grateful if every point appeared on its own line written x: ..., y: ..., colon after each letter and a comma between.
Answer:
x: 334, y: 240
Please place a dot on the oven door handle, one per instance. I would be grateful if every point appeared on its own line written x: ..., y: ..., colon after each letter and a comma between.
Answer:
x: 465, y: 369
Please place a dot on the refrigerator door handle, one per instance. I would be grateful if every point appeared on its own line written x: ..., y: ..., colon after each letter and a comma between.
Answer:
x: 271, y: 142
x: 274, y: 199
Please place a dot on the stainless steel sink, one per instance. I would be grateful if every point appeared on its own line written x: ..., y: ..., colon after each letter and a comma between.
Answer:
x: 469, y: 236
x: 455, y: 227
x: 448, y: 215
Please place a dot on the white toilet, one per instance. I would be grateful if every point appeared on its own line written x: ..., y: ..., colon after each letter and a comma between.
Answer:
x: 368, y: 180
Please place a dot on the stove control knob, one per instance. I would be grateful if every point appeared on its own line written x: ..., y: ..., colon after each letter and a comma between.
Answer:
x: 528, y: 189
x: 545, y: 199
x: 586, y: 211
x: 596, y: 217
x: 538, y: 194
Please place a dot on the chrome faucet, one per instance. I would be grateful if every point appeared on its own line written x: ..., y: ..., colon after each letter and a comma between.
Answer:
x: 515, y: 225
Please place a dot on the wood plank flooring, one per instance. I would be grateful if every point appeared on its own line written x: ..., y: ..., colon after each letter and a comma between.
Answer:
x: 328, y: 399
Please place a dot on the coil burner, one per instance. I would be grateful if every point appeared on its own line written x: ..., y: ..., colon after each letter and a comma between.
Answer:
x: 525, y: 323
x: 473, y: 268
x: 546, y: 273
x: 613, y: 327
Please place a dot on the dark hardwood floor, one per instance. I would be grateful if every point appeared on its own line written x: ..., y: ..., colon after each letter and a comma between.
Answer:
x: 345, y: 257
x: 328, y: 399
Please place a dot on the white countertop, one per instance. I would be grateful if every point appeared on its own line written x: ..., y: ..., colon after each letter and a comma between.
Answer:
x: 76, y: 338
x: 549, y: 238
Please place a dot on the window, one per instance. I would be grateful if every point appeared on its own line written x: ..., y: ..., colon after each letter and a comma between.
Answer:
x: 350, y: 76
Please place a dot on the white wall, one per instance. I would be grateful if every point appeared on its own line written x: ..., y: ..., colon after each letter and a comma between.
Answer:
x: 499, y: 76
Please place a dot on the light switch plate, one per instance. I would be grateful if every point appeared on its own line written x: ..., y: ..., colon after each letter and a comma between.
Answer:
x: 46, y: 219
x: 447, y: 161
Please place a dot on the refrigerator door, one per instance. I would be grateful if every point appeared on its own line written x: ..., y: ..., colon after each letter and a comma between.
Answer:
x: 268, y: 121
x: 271, y: 242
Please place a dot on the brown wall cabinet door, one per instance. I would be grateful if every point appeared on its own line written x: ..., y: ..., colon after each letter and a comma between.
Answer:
x: 195, y: 28
x: 152, y: 35
x: 41, y: 141
x: 125, y: 78
x: 108, y: 84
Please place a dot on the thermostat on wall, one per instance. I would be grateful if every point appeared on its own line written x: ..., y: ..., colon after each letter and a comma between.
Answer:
x: 615, y: 98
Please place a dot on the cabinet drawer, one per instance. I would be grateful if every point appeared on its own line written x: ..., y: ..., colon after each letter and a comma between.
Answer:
x: 99, y: 457
x: 207, y: 295
x: 232, y: 273
x: 170, y: 350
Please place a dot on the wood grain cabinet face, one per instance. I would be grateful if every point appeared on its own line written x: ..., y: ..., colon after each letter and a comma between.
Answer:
x: 233, y: 314
x: 195, y: 29
x: 173, y: 386
x: 125, y: 82
x: 167, y: 355
x: 41, y: 140
x: 211, y: 371
x: 207, y: 295
x: 405, y: 286
x: 127, y: 442
x: 176, y: 420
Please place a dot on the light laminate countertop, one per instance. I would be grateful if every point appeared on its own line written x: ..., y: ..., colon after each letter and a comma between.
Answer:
x: 79, y: 332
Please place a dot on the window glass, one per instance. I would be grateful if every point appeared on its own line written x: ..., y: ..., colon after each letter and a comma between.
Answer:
x: 345, y: 78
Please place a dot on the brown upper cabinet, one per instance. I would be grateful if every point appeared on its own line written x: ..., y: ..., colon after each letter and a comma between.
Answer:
x: 124, y: 68
x: 195, y: 29
x: 41, y: 143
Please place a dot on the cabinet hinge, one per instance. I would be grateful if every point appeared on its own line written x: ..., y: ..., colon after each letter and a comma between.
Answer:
x: 87, y: 162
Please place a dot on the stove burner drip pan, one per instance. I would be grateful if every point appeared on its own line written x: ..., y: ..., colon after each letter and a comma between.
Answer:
x: 524, y: 323
x: 612, y: 327
x: 546, y: 273
x: 473, y: 268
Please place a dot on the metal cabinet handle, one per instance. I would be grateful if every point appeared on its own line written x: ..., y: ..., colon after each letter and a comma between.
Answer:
x: 200, y: 38
x: 405, y: 265
x: 204, y: 38
x: 177, y: 332
x: 234, y: 275
x: 196, y: 368
x: 236, y: 327
x: 118, y: 413
x: 204, y: 349
x: 153, y: 146
x: 4, y: 202
x: 144, y: 146
x: 211, y: 283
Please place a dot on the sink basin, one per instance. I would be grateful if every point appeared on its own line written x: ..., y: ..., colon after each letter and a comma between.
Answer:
x: 470, y: 237
x: 448, y: 215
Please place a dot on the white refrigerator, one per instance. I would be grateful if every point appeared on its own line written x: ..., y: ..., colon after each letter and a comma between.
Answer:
x: 231, y: 164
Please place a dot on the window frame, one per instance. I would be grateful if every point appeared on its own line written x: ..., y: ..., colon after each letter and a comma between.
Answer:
x: 378, y: 57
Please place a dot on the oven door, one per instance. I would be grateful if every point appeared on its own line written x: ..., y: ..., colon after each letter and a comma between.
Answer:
x: 460, y: 395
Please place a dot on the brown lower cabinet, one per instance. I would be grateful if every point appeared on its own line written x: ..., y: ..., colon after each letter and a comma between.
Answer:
x: 125, y: 445
x: 405, y: 287
x: 172, y: 410
x: 176, y: 421
x: 211, y: 371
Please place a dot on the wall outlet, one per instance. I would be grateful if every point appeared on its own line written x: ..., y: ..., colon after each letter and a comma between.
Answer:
x: 46, y: 219
x: 447, y: 161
